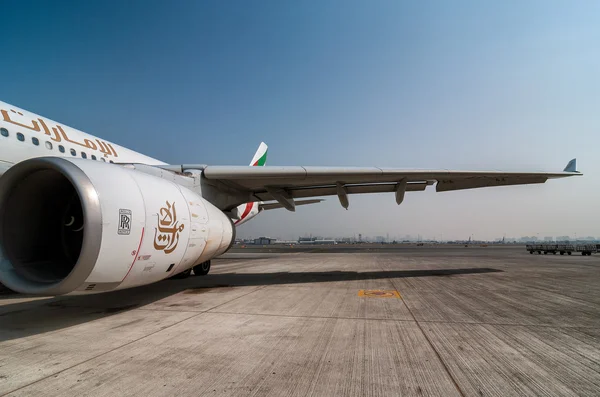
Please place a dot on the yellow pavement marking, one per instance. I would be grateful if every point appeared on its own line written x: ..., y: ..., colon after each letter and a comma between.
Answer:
x: 378, y: 293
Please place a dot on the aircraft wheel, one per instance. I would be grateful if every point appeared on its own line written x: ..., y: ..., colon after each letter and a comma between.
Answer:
x: 531, y: 252
x: 202, y: 269
x: 568, y: 253
x: 562, y: 252
x: 545, y: 252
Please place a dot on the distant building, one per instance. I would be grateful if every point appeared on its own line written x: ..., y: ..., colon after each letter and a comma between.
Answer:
x: 548, y: 238
x: 264, y: 240
x: 563, y: 238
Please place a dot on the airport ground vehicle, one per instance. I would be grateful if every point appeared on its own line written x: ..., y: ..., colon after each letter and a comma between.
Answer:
x: 585, y: 249
x: 588, y: 249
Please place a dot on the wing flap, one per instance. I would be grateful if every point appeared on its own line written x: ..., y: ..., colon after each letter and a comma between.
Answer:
x: 331, y: 190
x: 478, y: 182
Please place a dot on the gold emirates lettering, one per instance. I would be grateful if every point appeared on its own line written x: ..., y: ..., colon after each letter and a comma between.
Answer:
x: 166, y: 235
x: 58, y: 134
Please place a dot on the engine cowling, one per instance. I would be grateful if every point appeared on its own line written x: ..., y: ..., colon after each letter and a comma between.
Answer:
x: 72, y: 226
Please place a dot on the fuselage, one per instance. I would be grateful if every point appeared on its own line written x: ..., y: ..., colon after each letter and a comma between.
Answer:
x: 25, y: 135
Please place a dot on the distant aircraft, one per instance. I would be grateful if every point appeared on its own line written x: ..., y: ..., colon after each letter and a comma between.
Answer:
x: 80, y: 215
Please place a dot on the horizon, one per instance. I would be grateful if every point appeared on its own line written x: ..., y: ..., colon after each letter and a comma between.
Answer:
x: 418, y: 238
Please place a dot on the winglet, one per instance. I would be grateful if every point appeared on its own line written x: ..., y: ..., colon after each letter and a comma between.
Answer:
x: 572, y: 166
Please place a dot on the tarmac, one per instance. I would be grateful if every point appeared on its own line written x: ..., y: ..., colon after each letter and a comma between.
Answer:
x: 321, y: 321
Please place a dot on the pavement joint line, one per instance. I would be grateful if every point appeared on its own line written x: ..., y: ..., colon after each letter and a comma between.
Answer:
x: 170, y: 311
x: 403, y: 320
x: 317, y: 317
x: 439, y: 356
x: 124, y: 345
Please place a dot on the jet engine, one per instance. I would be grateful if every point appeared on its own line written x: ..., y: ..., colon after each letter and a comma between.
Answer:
x: 74, y: 226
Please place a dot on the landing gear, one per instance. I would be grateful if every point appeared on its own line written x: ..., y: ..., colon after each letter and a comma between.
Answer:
x: 202, y: 269
x: 183, y: 274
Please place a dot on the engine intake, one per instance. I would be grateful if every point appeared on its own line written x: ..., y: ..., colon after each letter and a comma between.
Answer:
x: 43, y: 230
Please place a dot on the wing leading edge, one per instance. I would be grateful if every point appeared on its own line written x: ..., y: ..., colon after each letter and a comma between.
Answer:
x: 285, y: 184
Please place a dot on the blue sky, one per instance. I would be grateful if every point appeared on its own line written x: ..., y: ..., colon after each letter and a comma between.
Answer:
x: 464, y: 84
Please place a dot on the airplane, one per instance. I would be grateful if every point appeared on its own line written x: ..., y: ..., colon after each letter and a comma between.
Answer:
x: 82, y: 215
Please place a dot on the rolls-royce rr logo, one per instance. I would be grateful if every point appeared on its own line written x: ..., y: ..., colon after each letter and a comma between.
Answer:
x: 124, y: 222
x: 166, y: 235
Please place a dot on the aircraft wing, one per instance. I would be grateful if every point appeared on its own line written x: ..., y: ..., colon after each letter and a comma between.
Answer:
x: 285, y: 184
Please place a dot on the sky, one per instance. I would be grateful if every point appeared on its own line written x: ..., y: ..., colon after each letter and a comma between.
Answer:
x: 512, y: 85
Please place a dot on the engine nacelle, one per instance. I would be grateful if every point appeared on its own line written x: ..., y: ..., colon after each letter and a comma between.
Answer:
x: 70, y: 226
